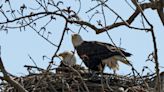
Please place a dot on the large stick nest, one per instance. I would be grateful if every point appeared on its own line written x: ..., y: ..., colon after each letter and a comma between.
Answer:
x: 65, y: 79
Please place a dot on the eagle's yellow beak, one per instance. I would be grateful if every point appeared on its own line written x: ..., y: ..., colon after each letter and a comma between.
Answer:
x: 62, y: 55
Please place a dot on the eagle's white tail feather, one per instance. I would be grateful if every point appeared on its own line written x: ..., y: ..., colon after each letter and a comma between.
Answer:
x: 111, y: 63
x: 122, y: 59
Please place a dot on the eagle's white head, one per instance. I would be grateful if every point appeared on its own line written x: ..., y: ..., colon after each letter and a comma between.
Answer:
x: 68, y: 58
x: 76, y: 40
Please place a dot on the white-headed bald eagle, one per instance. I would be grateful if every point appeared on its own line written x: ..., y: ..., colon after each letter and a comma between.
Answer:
x: 96, y: 55
x: 68, y: 58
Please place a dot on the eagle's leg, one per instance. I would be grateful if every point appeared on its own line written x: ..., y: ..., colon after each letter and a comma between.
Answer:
x: 98, y: 70
x: 114, y: 72
x: 94, y: 75
x: 112, y: 64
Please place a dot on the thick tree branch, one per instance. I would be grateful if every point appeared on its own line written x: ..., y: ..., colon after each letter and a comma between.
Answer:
x: 158, y: 79
x: 160, y: 10
x: 128, y: 21
x: 144, y: 6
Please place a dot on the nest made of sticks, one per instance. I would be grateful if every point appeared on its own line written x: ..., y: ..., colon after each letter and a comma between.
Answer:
x: 64, y: 79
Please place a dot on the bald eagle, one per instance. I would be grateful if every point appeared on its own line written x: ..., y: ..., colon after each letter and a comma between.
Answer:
x: 96, y: 55
x: 68, y: 58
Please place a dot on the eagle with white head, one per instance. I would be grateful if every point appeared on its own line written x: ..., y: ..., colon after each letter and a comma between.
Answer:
x: 68, y: 58
x: 96, y: 55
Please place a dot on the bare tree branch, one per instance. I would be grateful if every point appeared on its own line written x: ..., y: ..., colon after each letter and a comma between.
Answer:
x: 160, y: 10
x: 61, y: 40
x: 158, y: 80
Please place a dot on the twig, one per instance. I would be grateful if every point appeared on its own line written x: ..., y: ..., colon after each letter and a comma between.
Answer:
x: 29, y: 66
x: 61, y: 40
x: 74, y: 70
x: 129, y: 5
x: 41, y: 35
x: 32, y: 60
x: 104, y: 17
x: 96, y: 6
x: 85, y: 86
x: 160, y: 10
x: 158, y: 82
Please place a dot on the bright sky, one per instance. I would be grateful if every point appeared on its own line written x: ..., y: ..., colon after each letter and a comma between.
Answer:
x: 16, y: 45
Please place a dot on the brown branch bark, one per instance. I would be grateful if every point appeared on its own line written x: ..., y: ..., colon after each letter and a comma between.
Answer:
x: 158, y: 79
x: 61, y: 40
x: 160, y: 10
x: 152, y: 5
x: 144, y: 6
x: 130, y: 19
